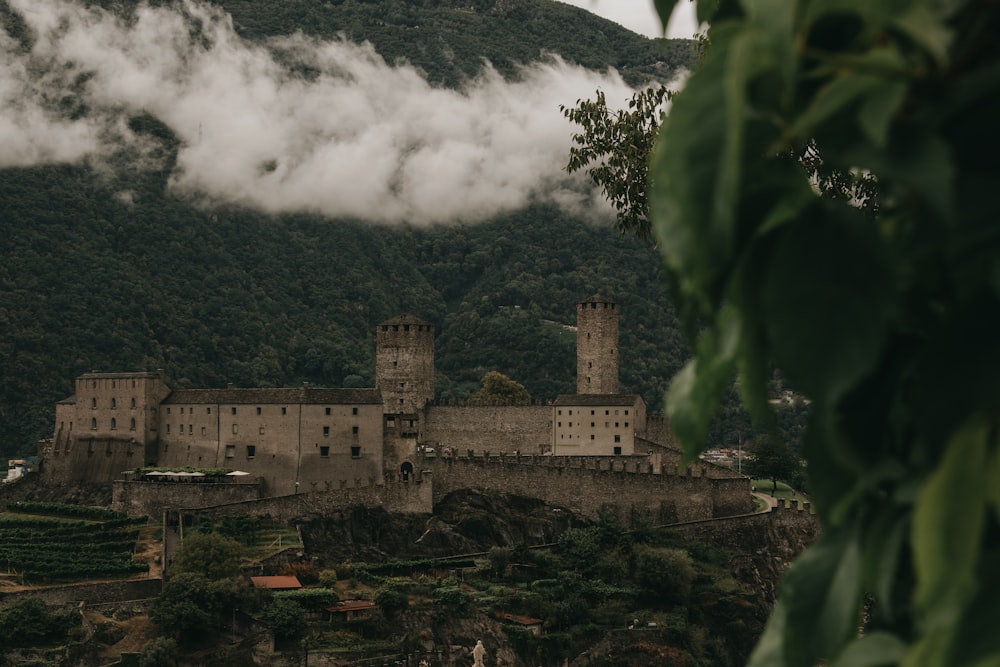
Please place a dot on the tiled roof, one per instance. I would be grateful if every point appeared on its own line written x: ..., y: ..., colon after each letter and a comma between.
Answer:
x: 286, y: 395
x: 276, y: 583
x: 520, y: 620
x: 352, y: 605
x: 140, y: 375
x: 597, y: 399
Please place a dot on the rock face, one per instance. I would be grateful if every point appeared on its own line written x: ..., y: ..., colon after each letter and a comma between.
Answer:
x: 464, y: 522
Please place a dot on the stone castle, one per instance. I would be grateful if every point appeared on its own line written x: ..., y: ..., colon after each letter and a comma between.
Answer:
x: 312, y: 439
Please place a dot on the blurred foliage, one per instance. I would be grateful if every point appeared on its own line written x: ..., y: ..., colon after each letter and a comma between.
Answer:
x: 879, y: 306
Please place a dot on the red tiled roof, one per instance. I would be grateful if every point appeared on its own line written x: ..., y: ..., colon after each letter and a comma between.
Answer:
x: 351, y: 605
x: 276, y: 583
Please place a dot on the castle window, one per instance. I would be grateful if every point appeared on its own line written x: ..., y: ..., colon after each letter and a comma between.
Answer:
x: 93, y: 423
x: 114, y: 403
x: 324, y: 451
x: 251, y: 451
x: 626, y: 412
x: 616, y: 424
x: 168, y: 410
x: 133, y: 384
x: 328, y: 411
x: 208, y: 411
x: 326, y: 431
x: 204, y: 431
x: 182, y: 428
x: 234, y: 409
x: 592, y: 412
x: 590, y: 364
x: 560, y: 424
x: 571, y: 412
x: 132, y: 404
x: 591, y: 424
x: 607, y: 412
x: 284, y: 411
x: 235, y: 429
x: 616, y: 413
x: 354, y: 411
x: 230, y: 451
x: 131, y: 424
x: 112, y: 384
x: 591, y: 436
x: 258, y: 409
x: 93, y: 404
x: 190, y: 429
x: 354, y: 430
x: 626, y: 424
x: 618, y: 438
x: 607, y: 424
x: 355, y: 452
x: 168, y: 428
x: 260, y: 430
x: 94, y: 385
x: 385, y: 327
x: 406, y: 327
x: 559, y: 411
x: 182, y: 410
x: 618, y: 451
x: 588, y: 380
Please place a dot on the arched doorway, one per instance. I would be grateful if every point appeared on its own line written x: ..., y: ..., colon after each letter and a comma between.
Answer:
x: 406, y: 471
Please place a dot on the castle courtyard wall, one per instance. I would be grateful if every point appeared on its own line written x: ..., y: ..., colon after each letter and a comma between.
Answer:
x: 527, y: 428
x: 148, y: 498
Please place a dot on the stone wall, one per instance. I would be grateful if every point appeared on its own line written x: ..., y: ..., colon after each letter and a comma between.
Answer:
x: 147, y: 498
x: 410, y: 497
x: 630, y: 487
x: 91, y: 593
x: 527, y: 428
x: 88, y: 459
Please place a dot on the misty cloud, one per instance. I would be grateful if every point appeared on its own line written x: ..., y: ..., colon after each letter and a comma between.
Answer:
x: 356, y: 138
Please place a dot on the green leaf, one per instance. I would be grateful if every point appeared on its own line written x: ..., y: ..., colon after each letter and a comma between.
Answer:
x: 928, y: 29
x: 878, y: 108
x: 822, y: 591
x: 874, y: 650
x: 697, y: 391
x: 827, y: 299
x: 948, y: 528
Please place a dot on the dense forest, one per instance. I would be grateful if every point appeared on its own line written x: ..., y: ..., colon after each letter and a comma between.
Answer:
x: 94, y: 280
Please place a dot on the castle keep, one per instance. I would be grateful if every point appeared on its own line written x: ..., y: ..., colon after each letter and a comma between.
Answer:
x: 312, y: 439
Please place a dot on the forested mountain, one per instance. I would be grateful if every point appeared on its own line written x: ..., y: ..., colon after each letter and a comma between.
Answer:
x: 110, y: 269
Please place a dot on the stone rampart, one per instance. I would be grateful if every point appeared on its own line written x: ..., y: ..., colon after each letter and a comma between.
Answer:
x: 628, y: 486
x: 148, y: 498
x: 409, y: 497
x: 90, y: 592
x: 527, y: 428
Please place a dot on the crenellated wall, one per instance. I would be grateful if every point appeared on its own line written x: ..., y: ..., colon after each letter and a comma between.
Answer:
x: 413, y: 496
x: 589, y: 485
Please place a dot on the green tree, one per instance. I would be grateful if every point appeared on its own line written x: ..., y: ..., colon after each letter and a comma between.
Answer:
x: 185, y: 605
x: 28, y: 622
x: 771, y: 459
x: 498, y: 389
x: 614, y: 148
x: 159, y: 652
x: 285, y: 617
x: 667, y: 574
x: 883, y: 318
x: 209, y: 554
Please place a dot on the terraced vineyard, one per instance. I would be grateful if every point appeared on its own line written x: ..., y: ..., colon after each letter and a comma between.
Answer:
x: 45, y: 542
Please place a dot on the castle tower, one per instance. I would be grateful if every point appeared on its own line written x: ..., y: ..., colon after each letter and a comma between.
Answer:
x: 597, y: 346
x: 404, y: 363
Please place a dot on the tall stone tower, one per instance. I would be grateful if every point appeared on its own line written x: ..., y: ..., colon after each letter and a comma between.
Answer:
x: 404, y: 363
x: 597, y: 346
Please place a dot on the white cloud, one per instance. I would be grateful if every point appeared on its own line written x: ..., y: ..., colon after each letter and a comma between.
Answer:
x: 359, y: 139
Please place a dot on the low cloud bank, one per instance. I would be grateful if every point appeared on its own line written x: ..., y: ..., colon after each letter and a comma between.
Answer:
x: 357, y: 138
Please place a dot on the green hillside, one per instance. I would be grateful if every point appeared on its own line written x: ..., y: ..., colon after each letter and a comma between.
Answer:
x: 92, y: 280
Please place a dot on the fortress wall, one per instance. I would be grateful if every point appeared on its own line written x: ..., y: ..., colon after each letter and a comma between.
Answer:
x: 91, y: 460
x: 495, y: 428
x: 658, y: 430
x: 92, y: 593
x: 745, y: 532
x: 631, y: 493
x: 147, y: 498
x: 411, y: 497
